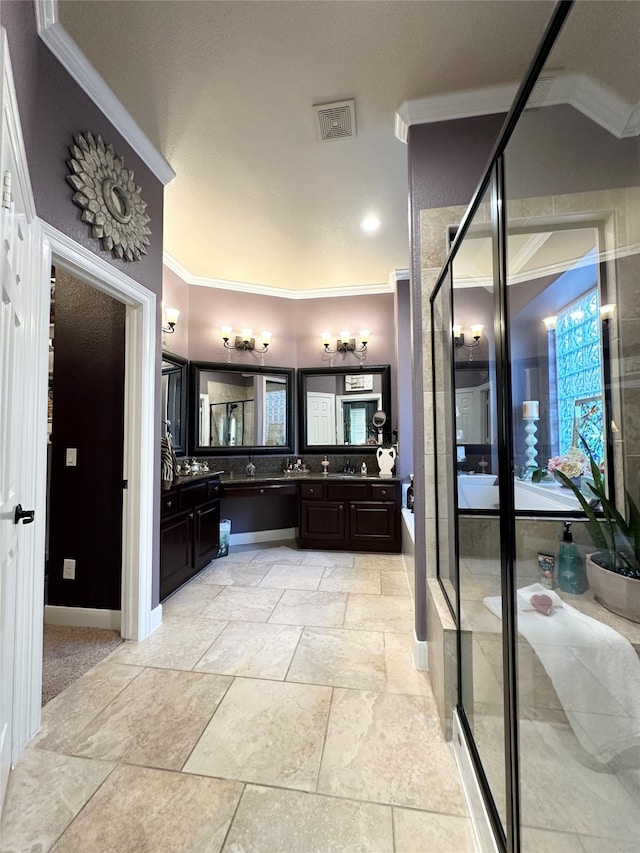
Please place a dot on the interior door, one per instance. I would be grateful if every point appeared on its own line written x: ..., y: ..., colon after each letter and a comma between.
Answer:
x: 321, y: 418
x: 18, y: 371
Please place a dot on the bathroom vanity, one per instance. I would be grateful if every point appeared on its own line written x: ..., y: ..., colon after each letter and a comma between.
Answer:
x: 338, y: 512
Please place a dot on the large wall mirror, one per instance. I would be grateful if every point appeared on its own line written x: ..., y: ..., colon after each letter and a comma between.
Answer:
x: 341, y: 407
x: 559, y: 295
x: 241, y: 409
x: 173, y: 396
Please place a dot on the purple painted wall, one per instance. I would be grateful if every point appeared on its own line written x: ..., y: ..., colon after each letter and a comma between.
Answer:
x: 52, y: 109
x: 402, y: 388
x: 446, y: 163
x: 295, y: 324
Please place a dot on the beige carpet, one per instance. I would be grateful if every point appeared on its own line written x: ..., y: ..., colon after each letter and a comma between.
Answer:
x: 70, y: 652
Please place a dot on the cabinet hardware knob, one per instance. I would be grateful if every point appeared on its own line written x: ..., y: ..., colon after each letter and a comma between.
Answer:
x: 310, y: 491
x: 384, y: 491
x: 340, y: 507
x: 262, y: 491
x: 169, y: 503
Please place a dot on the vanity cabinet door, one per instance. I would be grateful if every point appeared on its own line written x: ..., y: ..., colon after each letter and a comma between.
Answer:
x: 206, y: 534
x: 176, y: 552
x: 374, y: 523
x: 324, y: 521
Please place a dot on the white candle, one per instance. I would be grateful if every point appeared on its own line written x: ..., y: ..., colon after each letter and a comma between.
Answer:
x: 531, y: 409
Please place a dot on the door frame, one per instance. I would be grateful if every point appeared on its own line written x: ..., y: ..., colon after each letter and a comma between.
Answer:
x: 138, y: 619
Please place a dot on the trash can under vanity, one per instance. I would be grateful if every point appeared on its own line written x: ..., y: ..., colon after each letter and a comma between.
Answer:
x: 225, y: 533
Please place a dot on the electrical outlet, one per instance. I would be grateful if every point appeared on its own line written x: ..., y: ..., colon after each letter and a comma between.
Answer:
x: 69, y: 570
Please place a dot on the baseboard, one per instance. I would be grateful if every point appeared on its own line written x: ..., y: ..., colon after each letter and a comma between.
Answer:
x: 256, y: 536
x: 155, y: 620
x: 420, y: 654
x: 472, y: 793
x: 82, y: 617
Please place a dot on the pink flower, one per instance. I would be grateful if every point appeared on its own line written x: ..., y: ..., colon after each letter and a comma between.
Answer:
x: 572, y: 464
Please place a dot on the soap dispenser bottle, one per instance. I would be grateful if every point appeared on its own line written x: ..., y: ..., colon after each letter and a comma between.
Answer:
x: 572, y: 577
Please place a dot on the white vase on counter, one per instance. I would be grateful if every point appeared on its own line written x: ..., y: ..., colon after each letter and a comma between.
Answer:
x: 386, y: 457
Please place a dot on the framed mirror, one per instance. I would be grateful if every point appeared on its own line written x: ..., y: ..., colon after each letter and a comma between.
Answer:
x: 342, y: 407
x: 240, y: 409
x: 173, y: 397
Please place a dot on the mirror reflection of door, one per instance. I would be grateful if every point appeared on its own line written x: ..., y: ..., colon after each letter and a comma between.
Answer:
x: 321, y: 418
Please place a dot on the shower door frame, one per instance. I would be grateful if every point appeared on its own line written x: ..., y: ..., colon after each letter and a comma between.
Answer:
x: 508, y: 841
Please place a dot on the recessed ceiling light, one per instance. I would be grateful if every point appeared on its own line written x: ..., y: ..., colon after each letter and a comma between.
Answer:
x: 371, y: 223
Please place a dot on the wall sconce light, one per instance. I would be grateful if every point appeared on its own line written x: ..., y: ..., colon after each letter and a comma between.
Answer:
x: 346, y: 343
x: 550, y: 323
x: 171, y: 318
x: 244, y: 341
x: 607, y: 312
x: 476, y: 333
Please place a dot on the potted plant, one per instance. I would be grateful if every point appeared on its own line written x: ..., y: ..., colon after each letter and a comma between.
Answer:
x: 614, y: 570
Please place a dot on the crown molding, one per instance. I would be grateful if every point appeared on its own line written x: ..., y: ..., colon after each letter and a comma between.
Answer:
x: 588, y: 96
x: 281, y: 292
x: 455, y: 105
x: 67, y: 52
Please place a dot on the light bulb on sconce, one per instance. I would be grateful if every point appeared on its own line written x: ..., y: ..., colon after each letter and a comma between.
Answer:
x: 476, y: 334
x: 170, y: 318
x: 550, y: 323
x: 245, y: 342
x: 346, y: 343
x: 607, y: 312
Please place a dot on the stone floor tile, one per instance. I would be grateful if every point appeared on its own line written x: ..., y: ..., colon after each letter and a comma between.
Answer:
x: 339, y: 658
x: 291, y: 576
x: 141, y: 810
x: 271, y: 819
x: 252, y: 649
x: 268, y: 732
x: 386, y: 748
x: 178, y: 643
x: 431, y: 832
x: 245, y: 604
x: 45, y: 793
x: 317, y: 609
x: 379, y: 613
x: 156, y: 721
x: 348, y: 579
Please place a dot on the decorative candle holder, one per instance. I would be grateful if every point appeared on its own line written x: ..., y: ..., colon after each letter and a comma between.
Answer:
x: 531, y: 441
x: 325, y: 466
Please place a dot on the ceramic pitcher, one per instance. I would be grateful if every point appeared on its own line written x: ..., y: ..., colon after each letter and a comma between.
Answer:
x: 386, y: 457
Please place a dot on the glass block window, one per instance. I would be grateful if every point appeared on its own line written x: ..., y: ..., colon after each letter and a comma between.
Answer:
x: 579, y: 375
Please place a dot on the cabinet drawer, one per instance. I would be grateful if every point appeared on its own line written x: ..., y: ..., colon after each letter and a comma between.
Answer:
x: 169, y: 503
x: 241, y: 490
x: 347, y: 491
x: 383, y: 491
x: 312, y: 491
x: 214, y: 490
x: 191, y: 496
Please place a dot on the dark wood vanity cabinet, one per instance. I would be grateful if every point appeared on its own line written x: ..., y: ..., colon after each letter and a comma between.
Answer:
x: 350, y: 515
x: 189, y: 531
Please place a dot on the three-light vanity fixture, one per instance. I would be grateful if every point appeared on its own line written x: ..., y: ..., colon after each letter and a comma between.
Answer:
x: 346, y: 343
x: 245, y: 341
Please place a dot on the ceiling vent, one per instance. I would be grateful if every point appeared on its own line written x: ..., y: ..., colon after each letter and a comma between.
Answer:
x: 335, y: 121
x: 540, y: 92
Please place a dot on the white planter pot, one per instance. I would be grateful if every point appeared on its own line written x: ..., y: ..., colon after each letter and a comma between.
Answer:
x: 615, y: 592
x: 386, y: 457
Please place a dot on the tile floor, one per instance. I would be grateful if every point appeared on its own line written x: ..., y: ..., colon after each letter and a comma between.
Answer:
x: 276, y: 710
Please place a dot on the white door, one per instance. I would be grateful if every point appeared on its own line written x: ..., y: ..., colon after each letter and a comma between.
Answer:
x: 321, y: 418
x: 19, y: 327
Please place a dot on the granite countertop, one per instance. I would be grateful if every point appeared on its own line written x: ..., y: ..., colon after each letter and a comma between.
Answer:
x: 280, y: 478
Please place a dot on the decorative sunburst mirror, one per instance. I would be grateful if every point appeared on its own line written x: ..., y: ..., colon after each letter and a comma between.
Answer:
x: 110, y: 199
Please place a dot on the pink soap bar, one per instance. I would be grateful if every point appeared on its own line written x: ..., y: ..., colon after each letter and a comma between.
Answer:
x: 542, y: 604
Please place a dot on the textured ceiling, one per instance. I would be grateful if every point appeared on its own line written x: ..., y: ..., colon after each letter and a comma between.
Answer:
x: 225, y: 91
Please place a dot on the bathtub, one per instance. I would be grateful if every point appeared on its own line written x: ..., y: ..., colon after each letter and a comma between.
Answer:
x: 477, y: 491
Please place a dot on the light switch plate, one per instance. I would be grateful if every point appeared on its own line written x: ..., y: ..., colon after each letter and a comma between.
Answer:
x: 69, y: 570
x: 72, y: 457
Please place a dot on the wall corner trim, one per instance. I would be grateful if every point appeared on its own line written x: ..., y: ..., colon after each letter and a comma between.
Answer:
x: 420, y: 654
x: 67, y: 52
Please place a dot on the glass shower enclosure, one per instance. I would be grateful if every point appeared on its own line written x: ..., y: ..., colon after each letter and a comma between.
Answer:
x: 536, y: 369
